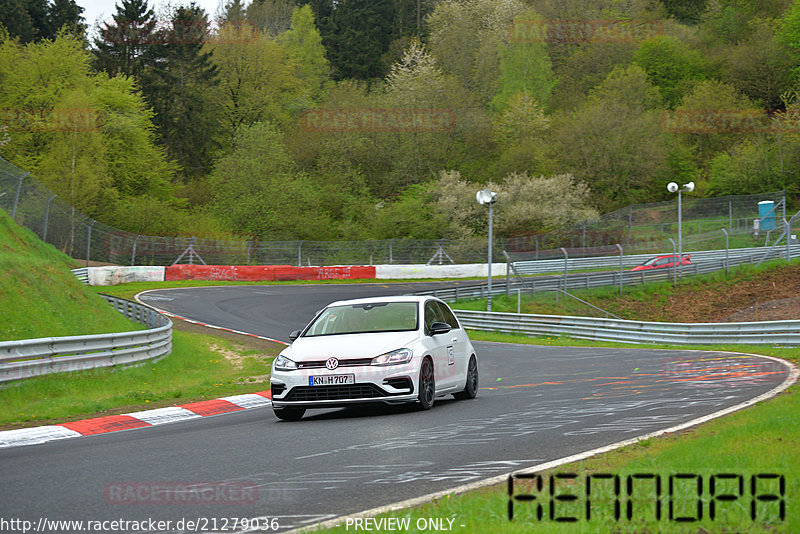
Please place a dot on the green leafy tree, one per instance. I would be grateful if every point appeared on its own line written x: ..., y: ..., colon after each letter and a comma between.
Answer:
x: 256, y: 80
x: 521, y: 131
x: 524, y: 67
x: 761, y: 67
x: 271, y: 16
x: 466, y: 38
x: 671, y: 66
x: 260, y: 193
x: 718, y: 104
x: 303, y: 45
x: 614, y: 141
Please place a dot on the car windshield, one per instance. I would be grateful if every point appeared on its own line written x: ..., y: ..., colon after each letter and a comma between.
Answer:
x: 365, y: 318
x: 651, y: 261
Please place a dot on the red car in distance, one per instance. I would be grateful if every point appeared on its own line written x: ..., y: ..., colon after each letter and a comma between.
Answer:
x: 661, y: 262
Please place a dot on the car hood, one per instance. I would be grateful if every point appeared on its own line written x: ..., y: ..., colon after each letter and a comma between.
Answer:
x: 347, y: 346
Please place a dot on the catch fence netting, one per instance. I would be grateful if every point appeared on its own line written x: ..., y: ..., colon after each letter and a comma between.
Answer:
x: 638, y: 228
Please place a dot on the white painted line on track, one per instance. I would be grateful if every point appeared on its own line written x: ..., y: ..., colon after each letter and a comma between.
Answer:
x: 794, y: 373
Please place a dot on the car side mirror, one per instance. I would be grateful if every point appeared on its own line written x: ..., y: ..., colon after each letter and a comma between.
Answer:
x: 294, y: 335
x: 440, y: 328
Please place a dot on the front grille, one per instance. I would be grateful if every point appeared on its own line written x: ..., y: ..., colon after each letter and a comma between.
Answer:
x: 355, y: 362
x: 344, y: 392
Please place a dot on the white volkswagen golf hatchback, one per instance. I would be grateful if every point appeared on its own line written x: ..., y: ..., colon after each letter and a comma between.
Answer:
x: 388, y: 349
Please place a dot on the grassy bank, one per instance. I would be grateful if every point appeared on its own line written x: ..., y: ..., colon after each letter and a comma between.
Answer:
x: 39, y: 297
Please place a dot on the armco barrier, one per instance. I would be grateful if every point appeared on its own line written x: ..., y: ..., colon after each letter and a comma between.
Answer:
x: 26, y: 358
x: 254, y: 273
x: 753, y: 333
x: 111, y: 276
x: 472, y: 270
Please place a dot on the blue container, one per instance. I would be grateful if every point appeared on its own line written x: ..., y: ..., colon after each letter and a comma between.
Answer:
x: 766, y: 212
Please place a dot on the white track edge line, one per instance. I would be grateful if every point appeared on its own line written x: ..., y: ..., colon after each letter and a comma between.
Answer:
x: 794, y: 373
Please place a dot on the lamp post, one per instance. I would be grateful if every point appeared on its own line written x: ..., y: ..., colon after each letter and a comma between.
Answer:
x: 672, y: 187
x: 487, y: 196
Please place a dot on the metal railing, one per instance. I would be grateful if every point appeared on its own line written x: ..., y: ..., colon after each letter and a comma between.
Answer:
x: 33, y: 357
x: 616, y: 278
x: 599, y: 329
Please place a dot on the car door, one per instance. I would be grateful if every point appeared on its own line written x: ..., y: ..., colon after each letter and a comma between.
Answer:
x: 440, y: 347
x: 459, y: 355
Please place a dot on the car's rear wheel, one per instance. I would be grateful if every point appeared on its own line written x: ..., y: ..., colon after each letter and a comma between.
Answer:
x: 290, y: 414
x: 427, y: 385
x: 471, y: 388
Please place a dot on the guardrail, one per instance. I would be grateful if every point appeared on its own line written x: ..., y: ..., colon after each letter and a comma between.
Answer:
x: 598, y: 329
x: 534, y: 267
x: 604, y: 279
x: 32, y: 357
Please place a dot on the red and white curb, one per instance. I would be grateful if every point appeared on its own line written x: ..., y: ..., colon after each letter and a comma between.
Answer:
x: 128, y: 421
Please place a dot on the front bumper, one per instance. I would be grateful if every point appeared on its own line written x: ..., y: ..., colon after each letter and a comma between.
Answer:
x: 387, y: 385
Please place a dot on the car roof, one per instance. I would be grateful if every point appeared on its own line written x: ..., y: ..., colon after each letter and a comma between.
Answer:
x: 393, y: 298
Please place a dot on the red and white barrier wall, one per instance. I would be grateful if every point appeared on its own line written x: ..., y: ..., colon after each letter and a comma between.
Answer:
x: 109, y: 276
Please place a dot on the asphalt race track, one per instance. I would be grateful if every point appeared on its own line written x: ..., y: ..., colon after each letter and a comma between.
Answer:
x: 536, y: 404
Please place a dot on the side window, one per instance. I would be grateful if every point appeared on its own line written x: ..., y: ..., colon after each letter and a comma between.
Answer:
x: 432, y: 315
x: 448, y: 316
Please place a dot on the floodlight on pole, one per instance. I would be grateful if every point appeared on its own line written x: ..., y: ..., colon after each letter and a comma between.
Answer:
x: 672, y: 187
x: 484, y: 197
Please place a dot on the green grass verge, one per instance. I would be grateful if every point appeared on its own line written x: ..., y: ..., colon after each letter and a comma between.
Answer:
x: 39, y: 297
x: 760, y: 439
x: 199, y: 367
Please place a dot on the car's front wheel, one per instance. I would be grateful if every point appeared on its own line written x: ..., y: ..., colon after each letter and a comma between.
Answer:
x: 427, y: 385
x: 290, y: 414
x: 471, y: 388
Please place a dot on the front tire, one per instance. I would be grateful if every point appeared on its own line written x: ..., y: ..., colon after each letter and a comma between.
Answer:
x: 290, y: 414
x: 471, y: 388
x: 427, y: 385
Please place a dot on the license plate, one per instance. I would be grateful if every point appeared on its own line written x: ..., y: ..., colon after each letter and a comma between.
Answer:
x: 331, y: 380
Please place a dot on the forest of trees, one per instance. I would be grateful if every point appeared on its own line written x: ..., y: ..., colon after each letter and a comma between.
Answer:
x: 377, y: 119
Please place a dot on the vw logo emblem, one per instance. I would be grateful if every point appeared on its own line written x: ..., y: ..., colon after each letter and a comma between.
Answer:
x: 332, y: 363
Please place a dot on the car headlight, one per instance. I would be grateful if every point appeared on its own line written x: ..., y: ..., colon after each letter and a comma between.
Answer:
x: 396, y: 357
x: 282, y: 363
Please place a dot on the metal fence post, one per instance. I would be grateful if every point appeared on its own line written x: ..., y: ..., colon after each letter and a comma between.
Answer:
x: 391, y: 243
x: 89, y: 243
x: 47, y: 218
x: 133, y: 252
x: 248, y: 253
x: 16, y: 198
x: 566, y: 265
x: 300, y: 254
x: 726, y: 250
x: 620, y: 268
x: 674, y: 264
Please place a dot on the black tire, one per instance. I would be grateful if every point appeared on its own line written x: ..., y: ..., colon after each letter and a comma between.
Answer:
x: 471, y: 389
x: 290, y: 414
x: 427, y: 385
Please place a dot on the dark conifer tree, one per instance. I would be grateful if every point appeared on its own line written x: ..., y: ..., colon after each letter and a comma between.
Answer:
x: 123, y: 45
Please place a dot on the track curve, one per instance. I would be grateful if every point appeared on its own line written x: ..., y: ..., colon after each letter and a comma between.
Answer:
x: 536, y: 404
